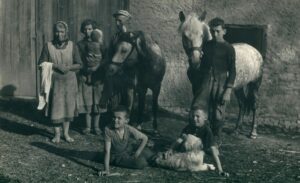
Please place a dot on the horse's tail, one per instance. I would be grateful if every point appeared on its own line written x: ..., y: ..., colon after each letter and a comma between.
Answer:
x: 250, y: 93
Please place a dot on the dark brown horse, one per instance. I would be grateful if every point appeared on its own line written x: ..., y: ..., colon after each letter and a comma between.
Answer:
x: 195, y: 32
x: 150, y: 66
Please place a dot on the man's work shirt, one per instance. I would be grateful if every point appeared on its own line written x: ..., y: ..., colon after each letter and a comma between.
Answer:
x: 220, y: 58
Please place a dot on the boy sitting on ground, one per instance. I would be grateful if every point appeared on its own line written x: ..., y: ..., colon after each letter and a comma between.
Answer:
x: 199, y: 127
x: 119, y: 149
x: 189, y: 160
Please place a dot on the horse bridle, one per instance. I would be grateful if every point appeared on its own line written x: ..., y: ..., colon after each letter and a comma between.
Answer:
x: 190, y: 51
x: 195, y: 49
x: 134, y: 46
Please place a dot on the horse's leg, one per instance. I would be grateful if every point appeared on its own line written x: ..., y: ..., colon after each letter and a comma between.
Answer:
x: 254, y: 94
x: 241, y: 98
x: 155, y: 94
x: 130, y: 98
x: 253, y: 134
x: 141, y: 105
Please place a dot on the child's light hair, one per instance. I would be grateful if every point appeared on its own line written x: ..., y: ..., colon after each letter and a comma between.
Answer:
x: 196, y: 108
x: 97, y: 36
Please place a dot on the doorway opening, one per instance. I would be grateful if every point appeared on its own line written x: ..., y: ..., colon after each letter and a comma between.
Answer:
x: 255, y: 35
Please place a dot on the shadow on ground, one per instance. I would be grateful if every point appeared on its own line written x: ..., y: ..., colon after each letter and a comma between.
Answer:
x: 71, y: 154
x: 21, y: 128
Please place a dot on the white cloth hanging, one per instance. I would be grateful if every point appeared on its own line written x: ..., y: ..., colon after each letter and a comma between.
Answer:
x: 46, y: 77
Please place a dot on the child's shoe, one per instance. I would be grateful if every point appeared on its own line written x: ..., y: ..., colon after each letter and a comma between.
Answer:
x: 97, y: 131
x: 86, y: 131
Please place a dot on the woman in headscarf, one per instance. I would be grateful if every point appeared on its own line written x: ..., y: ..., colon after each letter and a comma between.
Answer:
x: 90, y: 92
x: 63, y: 55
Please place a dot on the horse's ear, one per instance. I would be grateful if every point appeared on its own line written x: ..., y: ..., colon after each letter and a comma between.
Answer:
x: 206, y: 33
x: 202, y: 16
x: 131, y: 35
x: 139, y: 46
x: 181, y: 16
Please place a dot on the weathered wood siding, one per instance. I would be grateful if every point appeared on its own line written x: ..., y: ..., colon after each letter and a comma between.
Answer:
x: 26, y: 25
x: 17, y: 48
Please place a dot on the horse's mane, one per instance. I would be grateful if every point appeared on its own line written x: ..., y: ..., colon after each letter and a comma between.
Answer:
x: 149, y: 45
x: 192, y: 25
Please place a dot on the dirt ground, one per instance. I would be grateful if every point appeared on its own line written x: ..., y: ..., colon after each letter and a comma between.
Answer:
x: 27, y: 155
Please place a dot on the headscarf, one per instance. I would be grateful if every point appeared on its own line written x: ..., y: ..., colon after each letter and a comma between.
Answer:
x: 55, y: 26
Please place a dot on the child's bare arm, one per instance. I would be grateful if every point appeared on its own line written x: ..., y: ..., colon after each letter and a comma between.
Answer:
x: 175, y: 144
x: 107, y: 156
x: 215, y: 153
x: 142, y: 146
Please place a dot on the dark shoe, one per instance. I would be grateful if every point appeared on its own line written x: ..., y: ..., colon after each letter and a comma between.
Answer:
x: 86, y: 131
x: 97, y: 131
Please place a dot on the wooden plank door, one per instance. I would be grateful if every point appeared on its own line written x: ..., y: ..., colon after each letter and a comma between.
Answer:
x: 17, y: 48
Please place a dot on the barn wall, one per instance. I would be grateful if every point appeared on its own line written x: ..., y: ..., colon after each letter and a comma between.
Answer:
x: 17, y: 48
x: 26, y: 25
x: 74, y: 12
x: 280, y: 90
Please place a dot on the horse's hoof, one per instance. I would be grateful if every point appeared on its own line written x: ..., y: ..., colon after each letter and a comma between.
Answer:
x: 253, y: 136
x: 86, y: 131
x: 156, y: 133
x: 235, y: 132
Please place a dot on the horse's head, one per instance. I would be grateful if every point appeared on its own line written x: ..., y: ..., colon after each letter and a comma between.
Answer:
x: 194, y: 33
x: 124, y: 47
x: 138, y: 42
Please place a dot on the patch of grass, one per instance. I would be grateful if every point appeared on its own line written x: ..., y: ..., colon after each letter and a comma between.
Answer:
x: 5, y: 179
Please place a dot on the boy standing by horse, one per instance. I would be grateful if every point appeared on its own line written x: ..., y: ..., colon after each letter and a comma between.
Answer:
x: 119, y: 149
x: 218, y: 59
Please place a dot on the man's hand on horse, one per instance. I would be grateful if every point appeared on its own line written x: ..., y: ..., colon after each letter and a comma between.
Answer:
x: 226, y: 96
x: 113, y: 69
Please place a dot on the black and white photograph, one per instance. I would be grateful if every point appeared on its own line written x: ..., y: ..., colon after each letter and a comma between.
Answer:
x: 149, y: 91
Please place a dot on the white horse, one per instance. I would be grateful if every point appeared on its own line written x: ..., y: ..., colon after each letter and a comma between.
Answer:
x: 195, y: 32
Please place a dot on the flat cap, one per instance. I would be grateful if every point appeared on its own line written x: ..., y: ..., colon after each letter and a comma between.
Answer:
x: 122, y: 12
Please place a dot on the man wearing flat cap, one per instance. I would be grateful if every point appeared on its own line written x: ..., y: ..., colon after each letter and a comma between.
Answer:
x: 117, y: 74
x: 122, y: 18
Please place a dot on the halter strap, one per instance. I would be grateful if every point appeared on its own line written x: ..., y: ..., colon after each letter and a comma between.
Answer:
x: 190, y: 51
x: 195, y: 49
